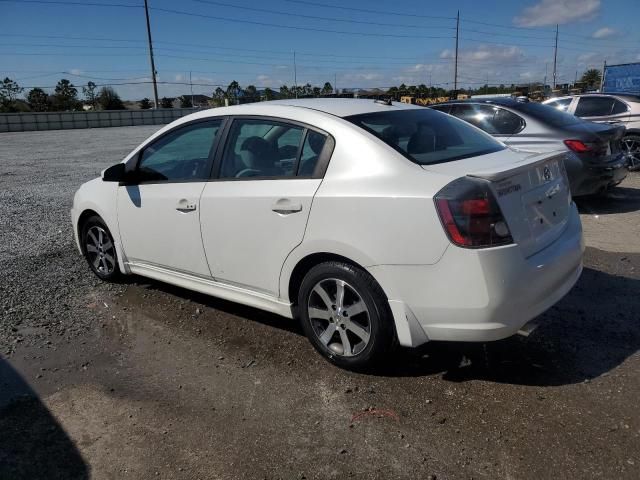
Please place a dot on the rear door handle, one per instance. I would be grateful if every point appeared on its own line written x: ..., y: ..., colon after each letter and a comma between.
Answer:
x: 284, y: 206
x: 185, y: 205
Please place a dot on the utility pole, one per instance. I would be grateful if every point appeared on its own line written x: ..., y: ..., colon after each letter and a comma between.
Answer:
x: 335, y: 83
x: 295, y: 74
x: 455, y: 68
x: 153, y: 66
x: 546, y: 71
x: 555, y: 58
x: 604, y: 69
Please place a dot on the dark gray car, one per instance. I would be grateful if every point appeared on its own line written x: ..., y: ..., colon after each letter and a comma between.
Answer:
x: 620, y: 109
x: 598, y: 162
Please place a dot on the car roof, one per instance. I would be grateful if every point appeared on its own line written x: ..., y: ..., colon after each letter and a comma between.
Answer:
x: 626, y: 96
x: 503, y: 101
x: 339, y: 107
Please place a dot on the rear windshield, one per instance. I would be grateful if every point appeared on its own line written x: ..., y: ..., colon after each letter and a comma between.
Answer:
x: 547, y: 114
x: 426, y: 136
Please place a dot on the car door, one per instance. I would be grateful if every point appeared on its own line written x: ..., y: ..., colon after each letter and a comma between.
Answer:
x: 602, y: 109
x: 255, y: 212
x: 159, y: 216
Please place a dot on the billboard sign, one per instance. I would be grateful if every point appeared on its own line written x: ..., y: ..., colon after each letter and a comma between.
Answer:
x: 622, y: 78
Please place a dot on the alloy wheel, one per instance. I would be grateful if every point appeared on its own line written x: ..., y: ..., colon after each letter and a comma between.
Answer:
x: 339, y: 317
x: 631, y: 149
x: 100, y: 250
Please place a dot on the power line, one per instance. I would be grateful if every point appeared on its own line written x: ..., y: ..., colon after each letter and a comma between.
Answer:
x: 79, y: 4
x: 290, y: 27
x: 479, y: 40
x: 167, y: 49
x: 316, y: 17
x: 208, y: 46
x: 366, y: 10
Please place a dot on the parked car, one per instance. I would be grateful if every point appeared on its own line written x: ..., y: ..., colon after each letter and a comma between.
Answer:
x: 597, y: 162
x: 373, y: 223
x: 617, y: 109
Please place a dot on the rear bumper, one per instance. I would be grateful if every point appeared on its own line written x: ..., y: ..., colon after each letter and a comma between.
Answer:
x: 482, y: 295
x: 590, y: 178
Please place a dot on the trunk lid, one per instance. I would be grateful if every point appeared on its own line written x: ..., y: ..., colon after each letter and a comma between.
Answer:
x: 532, y: 191
x: 603, y: 139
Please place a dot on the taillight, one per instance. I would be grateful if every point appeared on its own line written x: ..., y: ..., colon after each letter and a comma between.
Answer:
x: 577, y: 146
x: 471, y: 215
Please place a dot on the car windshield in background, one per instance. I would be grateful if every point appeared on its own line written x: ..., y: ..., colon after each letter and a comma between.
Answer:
x: 547, y: 114
x: 426, y: 136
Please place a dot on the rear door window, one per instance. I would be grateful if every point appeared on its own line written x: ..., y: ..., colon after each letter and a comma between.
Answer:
x: 261, y: 148
x: 619, y: 107
x: 594, y: 106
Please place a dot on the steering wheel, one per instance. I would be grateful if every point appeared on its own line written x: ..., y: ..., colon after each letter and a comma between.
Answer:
x: 248, y: 172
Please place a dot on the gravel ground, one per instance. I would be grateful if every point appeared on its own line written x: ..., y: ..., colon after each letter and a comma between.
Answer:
x: 146, y: 380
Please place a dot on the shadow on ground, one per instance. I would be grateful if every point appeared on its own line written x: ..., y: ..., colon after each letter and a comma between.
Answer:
x: 33, y: 445
x: 590, y: 332
x: 616, y: 200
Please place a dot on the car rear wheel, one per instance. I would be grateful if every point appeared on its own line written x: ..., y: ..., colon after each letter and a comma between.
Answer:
x: 631, y: 148
x: 99, y: 249
x: 345, y: 315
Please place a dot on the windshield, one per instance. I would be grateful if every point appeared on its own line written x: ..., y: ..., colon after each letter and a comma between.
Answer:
x: 547, y: 114
x: 426, y: 136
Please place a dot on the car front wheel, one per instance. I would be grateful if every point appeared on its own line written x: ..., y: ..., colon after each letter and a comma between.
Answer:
x: 99, y: 249
x: 345, y: 315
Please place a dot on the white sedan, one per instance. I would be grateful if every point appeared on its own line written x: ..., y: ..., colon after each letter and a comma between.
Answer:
x: 375, y: 224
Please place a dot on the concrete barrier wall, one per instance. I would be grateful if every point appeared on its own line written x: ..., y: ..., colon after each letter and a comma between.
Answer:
x: 25, y: 122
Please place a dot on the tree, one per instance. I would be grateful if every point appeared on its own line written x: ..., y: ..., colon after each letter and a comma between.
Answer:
x: 316, y: 91
x: 9, y: 91
x: 217, y: 98
x: 591, y: 78
x: 108, y: 99
x: 90, y: 95
x: 166, y: 102
x: 145, y: 104
x: 269, y: 94
x: 285, y: 92
x: 251, y: 92
x: 327, y: 89
x: 185, y: 102
x: 38, y: 100
x: 233, y: 90
x: 65, y: 96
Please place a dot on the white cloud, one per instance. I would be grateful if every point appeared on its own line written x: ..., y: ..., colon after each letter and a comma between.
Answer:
x: 368, y: 76
x: 604, y: 32
x: 486, y: 53
x: 551, y: 12
x: 76, y: 71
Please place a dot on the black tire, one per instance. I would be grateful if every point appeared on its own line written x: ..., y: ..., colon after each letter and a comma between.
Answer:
x: 631, y: 147
x: 377, y: 320
x: 100, y: 253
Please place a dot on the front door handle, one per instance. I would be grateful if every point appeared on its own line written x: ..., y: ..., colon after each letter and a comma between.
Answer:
x: 185, y: 205
x: 284, y: 206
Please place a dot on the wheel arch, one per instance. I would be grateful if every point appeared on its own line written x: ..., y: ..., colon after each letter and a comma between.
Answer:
x: 307, y: 263
x: 90, y: 211
x: 82, y: 218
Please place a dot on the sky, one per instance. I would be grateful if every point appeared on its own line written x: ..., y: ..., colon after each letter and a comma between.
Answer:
x: 349, y: 43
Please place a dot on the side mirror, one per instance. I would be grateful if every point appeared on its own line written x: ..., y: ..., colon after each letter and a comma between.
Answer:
x: 116, y: 173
